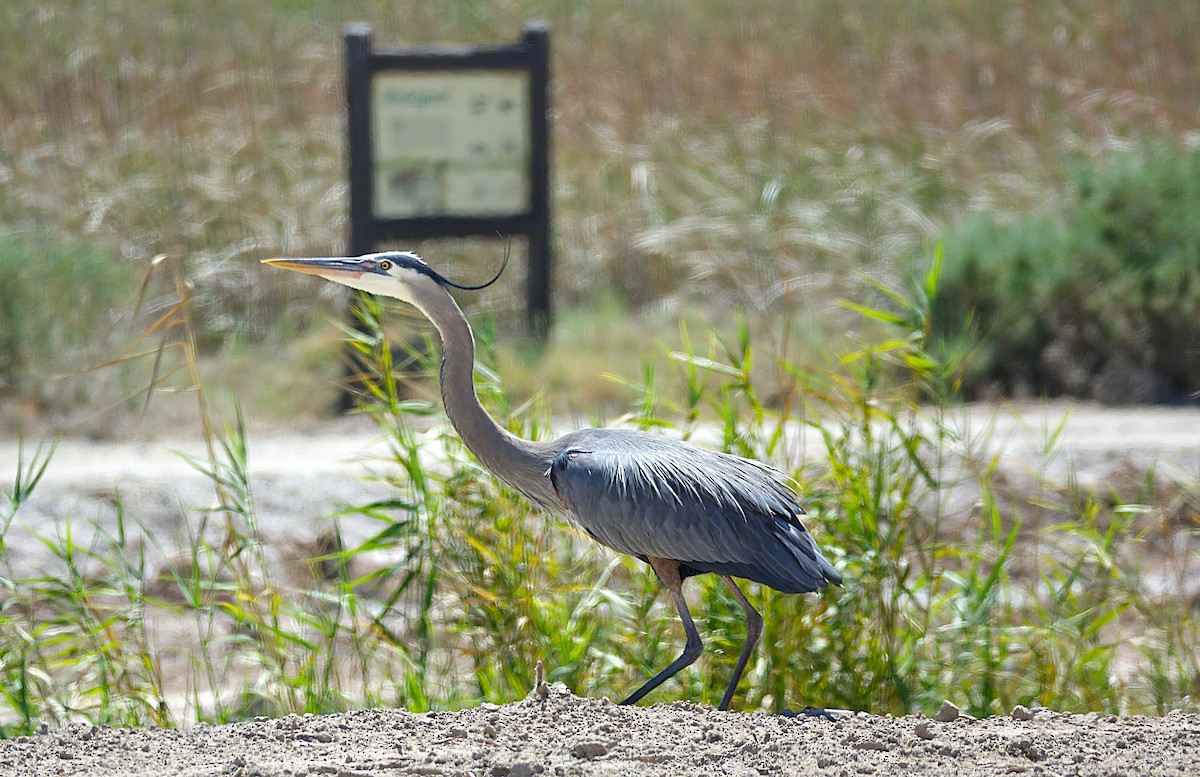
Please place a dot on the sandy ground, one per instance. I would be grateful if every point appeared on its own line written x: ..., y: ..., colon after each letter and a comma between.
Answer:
x: 300, y: 477
x: 560, y: 734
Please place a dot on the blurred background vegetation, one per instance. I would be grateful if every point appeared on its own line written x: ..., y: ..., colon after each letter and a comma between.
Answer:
x: 711, y: 160
x: 812, y: 225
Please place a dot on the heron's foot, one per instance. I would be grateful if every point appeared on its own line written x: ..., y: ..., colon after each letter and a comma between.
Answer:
x: 825, y: 713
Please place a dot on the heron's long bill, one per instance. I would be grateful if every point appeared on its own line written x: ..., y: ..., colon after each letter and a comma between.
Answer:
x: 324, y: 266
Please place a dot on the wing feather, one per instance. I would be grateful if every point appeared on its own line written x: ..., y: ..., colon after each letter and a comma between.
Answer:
x: 646, y: 495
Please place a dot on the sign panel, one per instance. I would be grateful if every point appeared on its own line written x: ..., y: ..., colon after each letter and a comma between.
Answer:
x: 450, y: 143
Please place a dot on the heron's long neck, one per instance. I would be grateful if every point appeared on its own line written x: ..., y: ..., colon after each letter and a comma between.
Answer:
x: 520, y: 463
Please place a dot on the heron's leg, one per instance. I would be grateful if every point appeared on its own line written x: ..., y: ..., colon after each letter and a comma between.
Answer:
x: 668, y: 573
x: 754, y: 627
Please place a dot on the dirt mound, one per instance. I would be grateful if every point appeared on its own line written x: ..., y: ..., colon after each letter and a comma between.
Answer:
x: 562, y: 734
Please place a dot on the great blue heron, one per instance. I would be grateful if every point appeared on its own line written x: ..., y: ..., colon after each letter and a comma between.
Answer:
x: 683, y: 509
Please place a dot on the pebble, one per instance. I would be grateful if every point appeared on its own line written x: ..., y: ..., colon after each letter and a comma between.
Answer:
x: 1025, y: 746
x: 1021, y: 712
x: 948, y: 713
x: 589, y: 750
x: 923, y: 730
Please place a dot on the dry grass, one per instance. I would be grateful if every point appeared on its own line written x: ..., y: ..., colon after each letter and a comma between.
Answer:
x: 714, y: 155
x: 699, y: 146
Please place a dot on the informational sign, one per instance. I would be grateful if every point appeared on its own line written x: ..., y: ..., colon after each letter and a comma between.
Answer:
x: 450, y: 143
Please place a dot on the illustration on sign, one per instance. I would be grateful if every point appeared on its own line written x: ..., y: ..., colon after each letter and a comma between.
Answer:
x: 453, y: 143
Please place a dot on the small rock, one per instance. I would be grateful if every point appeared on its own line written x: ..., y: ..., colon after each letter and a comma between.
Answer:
x: 1025, y: 746
x: 589, y: 750
x: 869, y: 744
x: 923, y: 731
x: 947, y: 714
x: 1021, y: 712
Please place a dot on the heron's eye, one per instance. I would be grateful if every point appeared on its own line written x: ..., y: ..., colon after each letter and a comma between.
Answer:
x: 385, y: 265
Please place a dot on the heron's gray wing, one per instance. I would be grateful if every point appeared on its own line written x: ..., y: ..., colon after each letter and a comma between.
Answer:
x: 647, y: 495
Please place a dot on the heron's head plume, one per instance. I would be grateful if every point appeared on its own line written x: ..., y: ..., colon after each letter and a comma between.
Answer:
x: 398, y: 274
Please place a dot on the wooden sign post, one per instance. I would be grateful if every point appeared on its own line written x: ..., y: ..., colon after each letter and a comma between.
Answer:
x: 449, y: 141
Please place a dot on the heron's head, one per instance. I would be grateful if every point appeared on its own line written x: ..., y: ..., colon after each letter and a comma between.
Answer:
x: 393, y: 273
x: 396, y: 274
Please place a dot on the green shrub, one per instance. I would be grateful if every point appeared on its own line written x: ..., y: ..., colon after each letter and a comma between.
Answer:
x: 1099, y: 299
x: 57, y: 301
